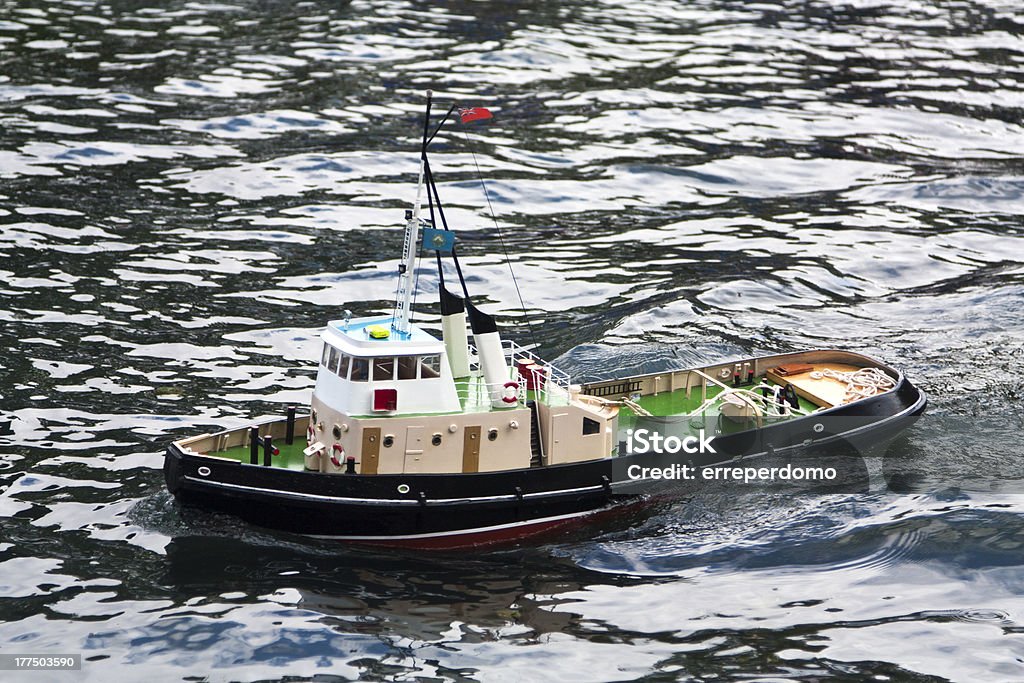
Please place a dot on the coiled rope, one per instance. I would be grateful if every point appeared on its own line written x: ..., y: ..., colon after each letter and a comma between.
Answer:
x: 778, y: 408
x: 859, y: 383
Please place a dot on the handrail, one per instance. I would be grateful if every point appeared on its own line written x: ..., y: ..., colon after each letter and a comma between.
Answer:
x: 553, y: 380
x: 482, y: 391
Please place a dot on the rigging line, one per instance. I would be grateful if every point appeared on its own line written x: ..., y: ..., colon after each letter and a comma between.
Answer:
x: 415, y: 216
x: 437, y: 130
x: 433, y: 224
x: 394, y: 311
x: 501, y: 239
x: 444, y: 221
x: 415, y: 284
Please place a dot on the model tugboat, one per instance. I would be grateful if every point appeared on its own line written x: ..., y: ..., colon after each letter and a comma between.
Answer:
x: 415, y: 440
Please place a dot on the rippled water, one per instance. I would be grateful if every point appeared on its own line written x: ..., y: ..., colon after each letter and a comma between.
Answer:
x: 189, y: 190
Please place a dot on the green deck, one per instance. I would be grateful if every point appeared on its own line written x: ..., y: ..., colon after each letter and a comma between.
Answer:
x: 472, y: 392
x: 676, y: 402
x: 671, y: 403
x: 291, y: 457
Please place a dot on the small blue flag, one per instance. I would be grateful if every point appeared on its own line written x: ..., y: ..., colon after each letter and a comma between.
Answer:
x: 440, y: 240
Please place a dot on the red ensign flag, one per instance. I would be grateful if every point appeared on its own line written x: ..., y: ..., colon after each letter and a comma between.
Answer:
x: 474, y: 114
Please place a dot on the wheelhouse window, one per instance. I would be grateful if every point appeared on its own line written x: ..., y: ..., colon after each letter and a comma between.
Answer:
x: 332, y: 362
x: 360, y: 370
x: 380, y: 369
x: 383, y: 369
x: 407, y: 367
x: 335, y: 361
x: 591, y: 426
x: 430, y: 366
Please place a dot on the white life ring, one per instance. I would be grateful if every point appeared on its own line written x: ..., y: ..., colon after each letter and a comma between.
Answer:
x: 337, y: 455
x: 510, y: 392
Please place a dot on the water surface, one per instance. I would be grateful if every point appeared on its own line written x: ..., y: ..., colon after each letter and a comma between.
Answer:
x: 190, y: 189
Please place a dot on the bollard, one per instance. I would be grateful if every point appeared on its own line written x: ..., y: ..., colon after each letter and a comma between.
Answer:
x: 268, y: 449
x: 289, y: 435
x: 254, y: 445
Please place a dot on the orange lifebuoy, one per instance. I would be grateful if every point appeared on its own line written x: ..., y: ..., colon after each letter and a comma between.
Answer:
x: 510, y: 392
x: 337, y: 455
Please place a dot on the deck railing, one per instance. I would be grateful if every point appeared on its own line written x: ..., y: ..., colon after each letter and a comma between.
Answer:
x: 549, y: 383
x: 478, y: 393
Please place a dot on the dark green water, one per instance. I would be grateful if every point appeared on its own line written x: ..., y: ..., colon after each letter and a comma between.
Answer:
x: 188, y: 190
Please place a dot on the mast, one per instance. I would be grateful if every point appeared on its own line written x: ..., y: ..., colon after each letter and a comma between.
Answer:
x: 453, y: 309
x: 412, y: 233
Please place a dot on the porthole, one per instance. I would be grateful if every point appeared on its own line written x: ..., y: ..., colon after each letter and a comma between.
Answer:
x: 403, y: 488
x: 819, y: 428
x: 389, y: 441
x: 204, y: 471
x: 436, y: 439
x: 492, y: 434
x: 337, y: 431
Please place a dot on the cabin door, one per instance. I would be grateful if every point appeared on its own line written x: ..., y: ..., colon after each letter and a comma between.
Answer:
x: 413, y: 449
x: 471, y: 449
x: 370, y: 451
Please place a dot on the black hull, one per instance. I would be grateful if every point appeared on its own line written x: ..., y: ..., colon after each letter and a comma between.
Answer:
x: 453, y: 510
x: 370, y: 507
